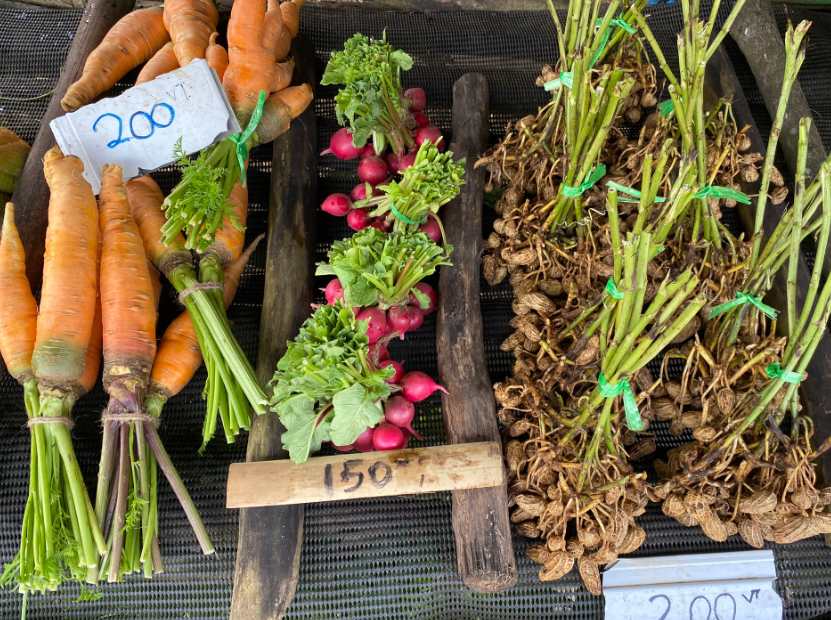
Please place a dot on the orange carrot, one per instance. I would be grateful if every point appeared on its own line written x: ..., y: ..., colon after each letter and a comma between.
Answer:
x: 164, y: 61
x: 131, y: 42
x: 179, y: 355
x: 146, y: 200
x: 128, y: 309
x: 217, y: 57
x: 93, y: 362
x: 190, y: 24
x: 13, y: 154
x: 272, y: 24
x: 18, y: 310
x: 279, y: 109
x: 283, y: 72
x: 291, y: 15
x: 70, y: 276
x: 155, y: 281
x: 282, y: 44
x: 229, y: 241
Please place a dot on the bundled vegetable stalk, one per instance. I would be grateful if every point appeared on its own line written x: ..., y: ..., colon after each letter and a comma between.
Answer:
x: 126, y: 505
x: 327, y: 387
x: 53, y: 351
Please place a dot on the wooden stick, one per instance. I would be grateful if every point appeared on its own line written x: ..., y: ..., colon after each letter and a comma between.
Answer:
x: 377, y: 474
x: 814, y: 394
x: 268, y: 555
x: 484, y: 551
x: 31, y: 198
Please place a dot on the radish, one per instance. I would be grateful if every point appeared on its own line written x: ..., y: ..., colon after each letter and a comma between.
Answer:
x: 399, y: 319
x: 416, y: 317
x: 430, y: 292
x: 333, y: 291
x: 343, y: 448
x: 407, y: 435
x: 378, y: 353
x: 341, y: 145
x: 417, y: 97
x: 368, y: 150
x: 429, y: 133
x: 372, y: 170
x: 377, y: 323
x: 432, y: 229
x: 364, y: 441
x: 421, y: 119
x: 380, y: 223
x: 405, y: 162
x: 399, y: 411
x: 359, y: 192
x: 399, y: 370
x: 358, y: 219
x: 337, y: 205
x: 392, y: 162
x: 388, y: 437
x: 416, y: 386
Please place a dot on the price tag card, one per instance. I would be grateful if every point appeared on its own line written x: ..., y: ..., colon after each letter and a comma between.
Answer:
x: 138, y: 130
x: 708, y: 586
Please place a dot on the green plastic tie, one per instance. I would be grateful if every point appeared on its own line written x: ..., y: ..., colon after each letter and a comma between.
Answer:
x: 658, y: 250
x: 630, y: 406
x: 717, y: 191
x: 612, y: 289
x: 565, y: 79
x: 617, y: 21
x: 241, y: 138
x: 404, y: 218
x: 595, y: 174
x: 775, y: 371
x: 741, y: 299
x: 632, y: 192
x: 665, y: 107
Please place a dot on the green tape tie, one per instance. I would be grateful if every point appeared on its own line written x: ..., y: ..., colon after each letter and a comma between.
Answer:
x: 740, y: 300
x: 632, y: 192
x: 241, y: 138
x: 775, y: 371
x: 665, y: 107
x: 565, y: 79
x: 595, y: 174
x: 612, y: 289
x: 658, y: 250
x: 620, y: 23
x: 717, y: 191
x: 404, y: 218
x: 630, y: 406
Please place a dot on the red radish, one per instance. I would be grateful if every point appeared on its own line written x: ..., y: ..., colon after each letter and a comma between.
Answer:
x: 399, y: 370
x: 416, y: 317
x: 392, y: 162
x: 333, y: 291
x: 341, y: 145
x: 379, y: 223
x: 417, y: 97
x: 358, y: 219
x: 429, y: 133
x: 337, y: 205
x: 416, y: 386
x: 364, y: 441
x: 359, y: 192
x: 387, y: 437
x: 399, y: 319
x: 378, y: 353
x: 407, y: 438
x: 368, y: 150
x: 372, y: 170
x: 405, y: 162
x: 421, y: 119
x: 343, y: 448
x: 432, y: 229
x: 399, y: 411
x: 430, y: 292
x: 377, y: 323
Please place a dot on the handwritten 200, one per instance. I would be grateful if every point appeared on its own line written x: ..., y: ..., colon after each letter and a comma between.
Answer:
x: 148, y: 120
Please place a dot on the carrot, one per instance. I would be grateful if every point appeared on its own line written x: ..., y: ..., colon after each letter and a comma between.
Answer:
x: 179, y: 355
x: 128, y: 309
x: 13, y: 154
x: 18, y: 310
x: 93, y: 362
x: 291, y: 15
x: 272, y: 25
x: 282, y: 44
x: 145, y: 200
x: 229, y: 240
x: 133, y: 40
x: 283, y: 72
x: 155, y: 281
x: 279, y: 109
x: 190, y: 24
x: 70, y: 276
x: 217, y: 57
x: 164, y: 61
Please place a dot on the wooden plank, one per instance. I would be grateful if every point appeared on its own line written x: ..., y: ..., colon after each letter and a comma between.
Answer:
x: 268, y: 555
x: 357, y: 476
x: 31, y: 198
x: 814, y: 393
x: 484, y: 551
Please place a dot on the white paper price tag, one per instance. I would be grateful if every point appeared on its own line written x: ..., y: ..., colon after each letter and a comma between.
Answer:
x: 138, y: 130
x: 712, y: 586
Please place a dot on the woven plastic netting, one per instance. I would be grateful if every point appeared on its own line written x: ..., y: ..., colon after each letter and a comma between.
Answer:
x: 364, y: 559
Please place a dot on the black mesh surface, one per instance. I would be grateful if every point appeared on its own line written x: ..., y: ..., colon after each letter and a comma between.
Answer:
x: 363, y: 559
